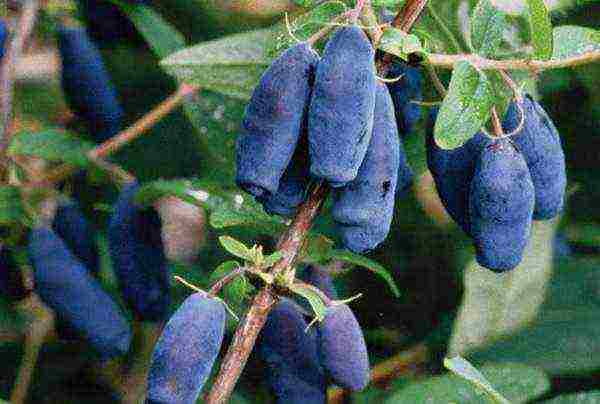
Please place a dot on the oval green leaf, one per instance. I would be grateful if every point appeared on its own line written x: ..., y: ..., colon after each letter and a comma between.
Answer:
x: 466, y: 108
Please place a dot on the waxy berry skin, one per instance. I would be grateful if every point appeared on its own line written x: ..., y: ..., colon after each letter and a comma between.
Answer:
x: 87, y: 85
x: 452, y: 172
x: 363, y: 209
x: 539, y: 142
x: 186, y: 351
x: 66, y: 286
x: 501, y: 205
x: 343, y: 349
x: 138, y: 257
x: 340, y: 119
x: 290, y: 352
x: 274, y: 120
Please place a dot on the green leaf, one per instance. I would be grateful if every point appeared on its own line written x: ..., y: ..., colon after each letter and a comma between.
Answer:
x: 461, y: 367
x: 590, y: 397
x: 571, y: 40
x: 516, y: 382
x: 231, y: 65
x: 302, y: 27
x: 356, y: 259
x: 152, y: 191
x: 495, y: 305
x: 541, y: 29
x: 162, y: 37
x: 228, y: 216
x: 237, y: 248
x: 11, y: 208
x: 236, y: 291
x: 466, y: 108
x: 52, y: 145
x: 563, y: 338
x: 313, y: 298
x: 270, y: 260
x: 399, y: 43
x: 487, y: 26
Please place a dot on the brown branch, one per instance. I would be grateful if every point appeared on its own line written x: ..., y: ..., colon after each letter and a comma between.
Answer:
x: 123, y: 138
x: 404, y: 20
x: 448, y: 62
x: 221, y: 283
x: 7, y: 70
x: 290, y: 245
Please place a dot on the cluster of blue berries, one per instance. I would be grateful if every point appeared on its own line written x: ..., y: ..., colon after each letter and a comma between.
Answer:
x: 328, y: 118
x: 301, y: 362
x: 494, y: 188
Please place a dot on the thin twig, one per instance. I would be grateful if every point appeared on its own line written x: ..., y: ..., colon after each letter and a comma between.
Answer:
x: 448, y: 62
x: 123, y: 138
x: 404, y: 20
x: 437, y: 83
x: 7, y: 70
x: 290, y: 245
x: 118, y: 173
x: 221, y: 283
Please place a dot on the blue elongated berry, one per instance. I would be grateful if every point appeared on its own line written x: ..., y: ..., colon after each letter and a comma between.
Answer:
x: 3, y: 36
x: 343, y: 349
x: 71, y: 225
x: 364, y: 208
x: 453, y: 170
x: 65, y: 285
x: 139, y: 262
x: 12, y: 286
x: 294, y: 372
x: 87, y: 85
x: 292, y: 186
x: 501, y: 206
x: 539, y: 142
x: 274, y: 120
x: 186, y: 351
x: 340, y: 119
x: 405, y: 91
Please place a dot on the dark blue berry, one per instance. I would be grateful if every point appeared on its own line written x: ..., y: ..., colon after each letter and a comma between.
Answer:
x: 292, y: 186
x: 501, y: 206
x: 453, y: 170
x: 539, y: 143
x: 342, y: 348
x: 341, y: 111
x: 66, y: 286
x: 3, y: 37
x: 294, y: 372
x: 364, y: 207
x: 87, y: 85
x: 138, y: 258
x: 404, y: 92
x: 71, y: 225
x: 186, y: 351
x: 274, y: 121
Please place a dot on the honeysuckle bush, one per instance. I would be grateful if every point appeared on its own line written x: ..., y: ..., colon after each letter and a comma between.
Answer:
x: 519, y: 329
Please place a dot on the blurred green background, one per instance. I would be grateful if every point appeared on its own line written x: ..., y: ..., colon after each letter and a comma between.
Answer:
x: 446, y: 301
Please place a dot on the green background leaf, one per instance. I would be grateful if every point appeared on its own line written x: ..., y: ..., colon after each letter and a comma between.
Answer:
x: 487, y: 27
x: 541, y: 29
x: 571, y: 40
x: 518, y: 383
x: 52, y: 145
